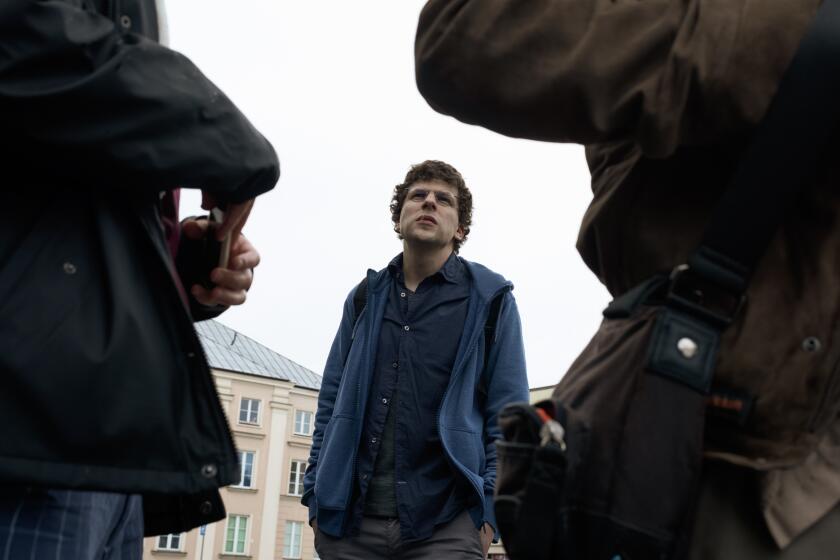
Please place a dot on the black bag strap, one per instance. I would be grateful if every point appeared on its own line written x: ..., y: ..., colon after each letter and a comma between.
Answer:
x: 359, y: 299
x: 489, y: 337
x: 777, y: 164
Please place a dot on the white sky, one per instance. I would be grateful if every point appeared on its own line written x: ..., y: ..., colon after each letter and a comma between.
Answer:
x: 331, y: 85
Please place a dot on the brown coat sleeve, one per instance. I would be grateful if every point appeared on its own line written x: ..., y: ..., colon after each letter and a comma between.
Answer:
x: 661, y: 72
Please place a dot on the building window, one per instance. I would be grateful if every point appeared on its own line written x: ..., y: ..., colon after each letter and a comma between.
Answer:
x: 249, y: 411
x: 246, y: 469
x: 291, y: 540
x: 237, y: 529
x: 296, y: 478
x: 303, y: 422
x: 170, y: 542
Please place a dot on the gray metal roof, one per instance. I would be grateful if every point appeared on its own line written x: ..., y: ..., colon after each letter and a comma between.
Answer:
x: 233, y: 351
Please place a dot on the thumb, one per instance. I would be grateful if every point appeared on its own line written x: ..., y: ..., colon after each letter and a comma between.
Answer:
x: 195, y: 229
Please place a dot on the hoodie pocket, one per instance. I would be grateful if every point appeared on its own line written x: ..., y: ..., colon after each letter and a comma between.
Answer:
x: 335, y: 465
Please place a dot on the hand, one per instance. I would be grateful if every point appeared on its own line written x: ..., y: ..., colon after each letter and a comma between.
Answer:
x: 486, y: 537
x: 233, y: 282
x: 235, y: 216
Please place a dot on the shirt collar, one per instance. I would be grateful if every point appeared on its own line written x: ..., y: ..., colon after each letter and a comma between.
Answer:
x: 452, y: 271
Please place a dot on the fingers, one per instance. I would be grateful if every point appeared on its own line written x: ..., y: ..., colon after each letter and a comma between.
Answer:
x: 232, y: 283
x: 195, y: 229
x: 218, y: 296
x: 235, y: 217
x: 232, y: 279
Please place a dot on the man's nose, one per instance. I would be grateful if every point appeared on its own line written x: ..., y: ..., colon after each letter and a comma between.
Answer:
x: 430, y: 200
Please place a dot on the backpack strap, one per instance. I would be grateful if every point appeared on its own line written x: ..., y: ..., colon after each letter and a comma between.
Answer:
x: 359, y: 299
x: 359, y: 303
x: 489, y: 337
x: 780, y: 160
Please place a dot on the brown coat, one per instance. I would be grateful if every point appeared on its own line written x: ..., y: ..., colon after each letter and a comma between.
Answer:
x: 664, y: 94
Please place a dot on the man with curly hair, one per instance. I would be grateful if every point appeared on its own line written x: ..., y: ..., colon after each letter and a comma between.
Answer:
x: 403, y: 459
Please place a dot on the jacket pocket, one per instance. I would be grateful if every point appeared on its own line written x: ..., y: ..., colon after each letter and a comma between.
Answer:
x: 335, y: 465
x: 466, y: 448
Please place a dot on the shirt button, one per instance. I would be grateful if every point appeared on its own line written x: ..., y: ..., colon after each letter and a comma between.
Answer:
x: 407, y: 328
x: 402, y: 294
x: 384, y: 401
x: 364, y: 477
x: 373, y: 440
x: 69, y: 268
x: 125, y: 21
x: 395, y: 365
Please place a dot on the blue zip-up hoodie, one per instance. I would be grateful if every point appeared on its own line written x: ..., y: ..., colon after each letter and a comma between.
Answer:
x: 467, y: 430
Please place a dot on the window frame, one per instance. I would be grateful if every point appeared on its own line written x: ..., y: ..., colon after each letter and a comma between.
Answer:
x: 298, y: 481
x: 239, y: 484
x: 311, y: 422
x: 168, y: 538
x: 247, y: 532
x: 246, y: 422
x: 288, y: 552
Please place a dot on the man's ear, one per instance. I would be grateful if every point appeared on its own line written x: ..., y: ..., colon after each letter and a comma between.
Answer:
x: 459, y: 233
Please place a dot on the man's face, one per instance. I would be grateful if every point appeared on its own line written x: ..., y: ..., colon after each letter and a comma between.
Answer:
x: 430, y: 214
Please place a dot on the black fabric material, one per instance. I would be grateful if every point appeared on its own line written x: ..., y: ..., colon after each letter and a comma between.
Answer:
x: 105, y: 382
x: 88, y: 103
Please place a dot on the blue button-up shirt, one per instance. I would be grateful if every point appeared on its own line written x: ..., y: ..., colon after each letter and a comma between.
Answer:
x: 417, y: 347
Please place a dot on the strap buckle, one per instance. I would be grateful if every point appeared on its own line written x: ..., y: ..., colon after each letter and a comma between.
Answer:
x: 706, y: 299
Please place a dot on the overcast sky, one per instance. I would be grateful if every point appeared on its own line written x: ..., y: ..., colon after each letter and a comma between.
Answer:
x: 331, y: 85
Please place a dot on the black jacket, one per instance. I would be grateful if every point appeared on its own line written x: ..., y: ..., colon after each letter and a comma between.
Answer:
x: 104, y: 382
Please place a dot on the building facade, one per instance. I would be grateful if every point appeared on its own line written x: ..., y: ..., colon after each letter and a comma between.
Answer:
x: 270, y: 403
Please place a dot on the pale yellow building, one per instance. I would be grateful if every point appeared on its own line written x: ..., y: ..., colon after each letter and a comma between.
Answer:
x: 270, y: 402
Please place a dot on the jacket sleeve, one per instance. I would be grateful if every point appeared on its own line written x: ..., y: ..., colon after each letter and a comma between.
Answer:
x: 507, y: 382
x: 326, y: 399
x: 98, y: 106
x: 659, y: 72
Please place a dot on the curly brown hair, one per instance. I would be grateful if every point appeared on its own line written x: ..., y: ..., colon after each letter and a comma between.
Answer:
x: 434, y: 170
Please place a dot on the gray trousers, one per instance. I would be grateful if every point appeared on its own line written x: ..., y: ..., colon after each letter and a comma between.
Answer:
x: 379, y: 539
x: 44, y: 524
x: 729, y: 524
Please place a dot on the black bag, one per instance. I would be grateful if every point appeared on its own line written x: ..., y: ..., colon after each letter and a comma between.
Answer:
x: 609, y: 468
